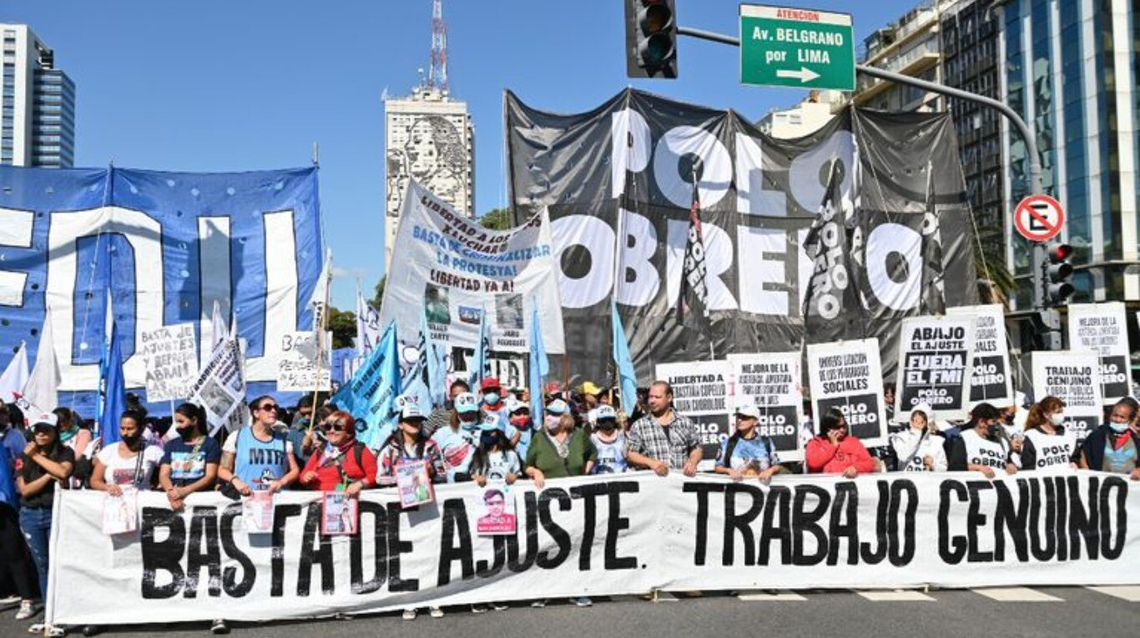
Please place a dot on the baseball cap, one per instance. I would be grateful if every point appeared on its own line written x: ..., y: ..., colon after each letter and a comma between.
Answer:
x: 491, y: 422
x: 514, y: 405
x: 557, y: 406
x: 749, y: 410
x: 488, y: 383
x: 411, y: 412
x: 604, y: 412
x: 588, y: 387
x: 466, y: 402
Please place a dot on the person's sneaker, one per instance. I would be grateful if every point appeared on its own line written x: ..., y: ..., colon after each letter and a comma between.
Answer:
x: 90, y: 630
x: 500, y: 606
x: 409, y: 614
x: 27, y: 610
x: 582, y: 601
x: 435, y: 612
x: 9, y: 600
x: 54, y: 631
x: 478, y: 609
x: 538, y: 604
x: 219, y: 627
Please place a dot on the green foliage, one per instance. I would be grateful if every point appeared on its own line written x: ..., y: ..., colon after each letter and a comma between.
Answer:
x: 497, y: 219
x: 343, y: 326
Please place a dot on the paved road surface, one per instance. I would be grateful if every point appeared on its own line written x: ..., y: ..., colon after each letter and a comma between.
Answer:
x: 1041, y: 612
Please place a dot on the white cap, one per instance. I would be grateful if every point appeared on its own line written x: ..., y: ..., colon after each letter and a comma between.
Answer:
x: 557, y: 406
x: 748, y: 409
x: 604, y: 411
x: 411, y: 411
x: 925, y: 409
x: 514, y: 405
x: 466, y: 402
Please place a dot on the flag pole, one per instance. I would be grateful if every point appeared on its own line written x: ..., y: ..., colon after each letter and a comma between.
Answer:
x: 321, y: 341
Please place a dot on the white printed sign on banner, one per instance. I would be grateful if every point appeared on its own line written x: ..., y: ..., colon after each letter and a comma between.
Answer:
x: 171, y: 354
x: 1073, y: 377
x: 934, y: 366
x: 991, y: 380
x: 648, y: 532
x: 220, y: 387
x: 848, y: 376
x: 772, y: 381
x: 455, y: 270
x: 299, y: 364
x: 701, y: 392
x: 1103, y: 328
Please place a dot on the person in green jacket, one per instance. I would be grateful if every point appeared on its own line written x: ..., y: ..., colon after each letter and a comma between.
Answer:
x: 561, y: 449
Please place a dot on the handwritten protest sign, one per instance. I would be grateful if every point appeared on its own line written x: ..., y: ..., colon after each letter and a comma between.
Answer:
x: 171, y: 355
x: 299, y: 368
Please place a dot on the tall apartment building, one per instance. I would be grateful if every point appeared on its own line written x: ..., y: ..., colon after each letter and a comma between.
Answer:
x: 804, y: 118
x: 37, y: 104
x: 429, y: 138
x: 1069, y: 68
x: 911, y: 46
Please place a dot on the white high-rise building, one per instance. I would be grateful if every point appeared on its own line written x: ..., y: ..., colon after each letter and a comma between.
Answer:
x: 428, y: 137
x: 37, y: 103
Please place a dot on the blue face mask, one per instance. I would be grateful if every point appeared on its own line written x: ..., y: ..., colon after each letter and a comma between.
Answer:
x: 1119, y: 428
x: 491, y: 398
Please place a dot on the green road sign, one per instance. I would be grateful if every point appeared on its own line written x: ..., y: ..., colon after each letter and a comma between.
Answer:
x: 801, y: 48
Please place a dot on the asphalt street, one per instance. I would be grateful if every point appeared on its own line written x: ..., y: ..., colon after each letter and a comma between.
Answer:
x: 1040, y: 612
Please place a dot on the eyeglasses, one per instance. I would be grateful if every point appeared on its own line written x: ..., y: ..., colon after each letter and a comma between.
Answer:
x: 334, y: 427
x: 269, y: 408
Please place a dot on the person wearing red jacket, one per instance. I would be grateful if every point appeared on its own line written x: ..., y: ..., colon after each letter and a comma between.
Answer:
x: 343, y: 461
x: 834, y: 452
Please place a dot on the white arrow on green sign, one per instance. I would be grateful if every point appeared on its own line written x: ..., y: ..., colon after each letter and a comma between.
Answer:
x: 801, y: 48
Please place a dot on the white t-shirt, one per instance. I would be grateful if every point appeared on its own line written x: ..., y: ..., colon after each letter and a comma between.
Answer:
x: 120, y: 471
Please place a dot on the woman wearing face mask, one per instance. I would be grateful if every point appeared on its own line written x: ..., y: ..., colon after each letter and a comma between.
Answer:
x: 190, y: 462
x: 457, y: 441
x: 917, y: 448
x: 1048, y: 443
x: 44, y: 464
x: 1113, y: 446
x: 834, y: 451
x: 609, y: 441
x: 982, y: 448
x: 128, y: 463
x: 561, y: 450
x: 520, y: 421
x: 495, y: 459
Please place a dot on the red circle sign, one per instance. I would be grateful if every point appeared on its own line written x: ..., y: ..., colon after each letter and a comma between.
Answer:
x: 1039, y: 218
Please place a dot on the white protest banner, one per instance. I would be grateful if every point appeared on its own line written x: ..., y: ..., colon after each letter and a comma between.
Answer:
x: 991, y: 378
x: 299, y: 366
x: 934, y: 366
x: 1103, y: 328
x: 848, y: 376
x: 587, y: 536
x: 456, y: 269
x: 772, y: 381
x: 171, y: 355
x: 220, y: 387
x: 701, y: 392
x: 1073, y: 377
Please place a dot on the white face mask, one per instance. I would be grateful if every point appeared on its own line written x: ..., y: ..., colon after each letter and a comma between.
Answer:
x: 1057, y: 418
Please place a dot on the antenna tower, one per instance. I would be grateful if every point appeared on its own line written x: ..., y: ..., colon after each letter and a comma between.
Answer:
x: 437, y: 77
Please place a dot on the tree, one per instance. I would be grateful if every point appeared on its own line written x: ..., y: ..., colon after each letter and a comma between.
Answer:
x: 343, y: 327
x: 497, y: 219
x: 378, y: 292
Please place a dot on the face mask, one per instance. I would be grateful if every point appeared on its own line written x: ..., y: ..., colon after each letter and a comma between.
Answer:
x: 1119, y: 428
x: 1057, y: 419
x: 520, y: 421
x: 186, y: 432
x: 491, y: 398
x: 131, y: 441
x: 551, y: 423
x: 489, y: 440
x: 992, y: 430
x: 1008, y: 418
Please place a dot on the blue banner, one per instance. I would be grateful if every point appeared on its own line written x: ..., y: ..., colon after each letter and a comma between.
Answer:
x: 154, y: 249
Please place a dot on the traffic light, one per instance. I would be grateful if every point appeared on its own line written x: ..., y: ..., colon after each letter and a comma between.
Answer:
x: 1046, y: 328
x: 1057, y: 275
x: 650, y: 39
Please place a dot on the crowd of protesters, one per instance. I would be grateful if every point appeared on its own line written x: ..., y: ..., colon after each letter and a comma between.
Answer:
x: 489, y: 437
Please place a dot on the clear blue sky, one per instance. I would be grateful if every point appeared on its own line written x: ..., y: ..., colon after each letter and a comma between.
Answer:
x: 213, y: 85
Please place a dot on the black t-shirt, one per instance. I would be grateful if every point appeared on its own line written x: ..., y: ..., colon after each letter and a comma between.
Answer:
x: 29, y: 470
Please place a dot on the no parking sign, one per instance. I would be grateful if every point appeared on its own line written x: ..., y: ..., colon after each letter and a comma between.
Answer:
x: 1039, y: 218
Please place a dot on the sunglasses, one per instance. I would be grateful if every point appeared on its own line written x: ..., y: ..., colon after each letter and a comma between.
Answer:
x: 268, y: 408
x: 334, y: 427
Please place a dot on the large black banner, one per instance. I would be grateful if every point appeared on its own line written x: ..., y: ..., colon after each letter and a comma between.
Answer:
x: 620, y: 176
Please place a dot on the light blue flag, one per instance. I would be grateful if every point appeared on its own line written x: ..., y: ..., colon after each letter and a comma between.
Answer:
x: 425, y: 380
x: 370, y: 395
x: 624, y: 362
x: 436, y: 366
x: 113, y: 385
x: 481, y: 368
x: 539, y: 366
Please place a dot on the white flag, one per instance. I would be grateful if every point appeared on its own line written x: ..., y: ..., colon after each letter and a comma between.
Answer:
x: 15, y: 377
x: 218, y: 331
x: 320, y: 299
x: 368, y: 331
x: 42, y: 388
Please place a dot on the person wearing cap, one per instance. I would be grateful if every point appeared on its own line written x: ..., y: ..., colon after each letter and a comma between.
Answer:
x: 521, y: 422
x: 561, y: 450
x: 493, y: 397
x: 45, y: 463
x: 609, y: 441
x: 445, y: 415
x: 495, y: 458
x: 919, y: 448
x: 591, y: 395
x: 664, y: 439
x: 408, y: 443
x: 747, y: 453
x: 457, y: 440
